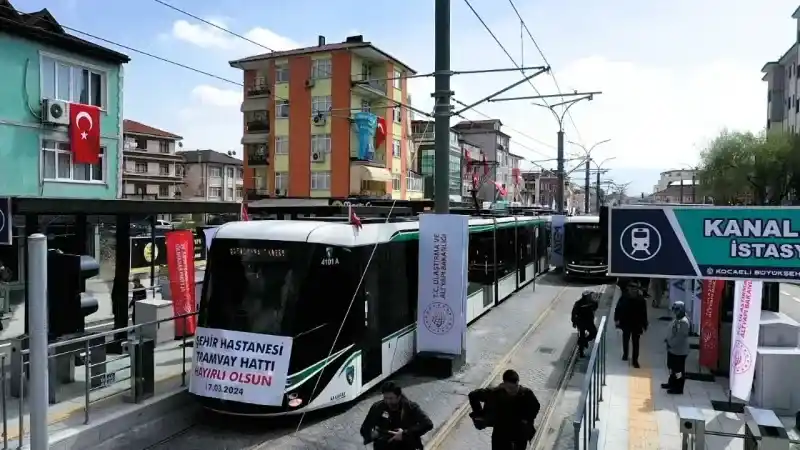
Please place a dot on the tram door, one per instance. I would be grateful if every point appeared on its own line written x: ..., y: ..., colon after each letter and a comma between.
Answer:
x: 371, y: 343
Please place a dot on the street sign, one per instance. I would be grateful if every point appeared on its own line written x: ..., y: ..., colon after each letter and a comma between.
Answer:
x: 6, y: 221
x: 729, y: 243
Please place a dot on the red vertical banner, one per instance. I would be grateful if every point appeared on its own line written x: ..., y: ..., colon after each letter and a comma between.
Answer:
x: 180, y: 263
x: 709, y: 323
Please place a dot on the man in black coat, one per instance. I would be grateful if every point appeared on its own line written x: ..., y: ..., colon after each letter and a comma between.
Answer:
x: 631, y: 317
x: 395, y: 422
x: 509, y: 409
x: 583, y: 320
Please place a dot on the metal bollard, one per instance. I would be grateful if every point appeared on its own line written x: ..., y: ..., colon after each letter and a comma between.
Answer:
x: 764, y: 430
x: 693, y: 428
x: 142, y: 353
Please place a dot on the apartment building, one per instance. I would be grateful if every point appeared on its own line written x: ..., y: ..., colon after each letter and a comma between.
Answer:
x: 425, y: 161
x: 211, y: 176
x: 44, y: 70
x: 470, y: 152
x: 783, y: 94
x: 152, y: 169
x: 539, y: 188
x: 310, y: 120
x: 487, y: 135
x: 669, y: 177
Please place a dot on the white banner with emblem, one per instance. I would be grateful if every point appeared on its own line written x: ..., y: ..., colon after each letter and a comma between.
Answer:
x: 442, y: 295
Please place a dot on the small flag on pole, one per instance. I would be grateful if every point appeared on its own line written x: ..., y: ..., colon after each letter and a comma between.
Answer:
x: 353, y: 218
x: 243, y: 216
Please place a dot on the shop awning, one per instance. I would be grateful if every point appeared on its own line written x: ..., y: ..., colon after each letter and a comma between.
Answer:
x: 369, y: 173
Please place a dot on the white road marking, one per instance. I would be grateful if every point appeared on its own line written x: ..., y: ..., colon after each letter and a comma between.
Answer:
x: 785, y: 293
x: 796, y: 299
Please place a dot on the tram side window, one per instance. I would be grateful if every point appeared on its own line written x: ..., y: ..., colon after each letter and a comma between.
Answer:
x: 481, y: 260
x: 506, y: 251
x: 525, y: 243
x: 394, y: 312
x: 412, y: 277
x: 544, y: 239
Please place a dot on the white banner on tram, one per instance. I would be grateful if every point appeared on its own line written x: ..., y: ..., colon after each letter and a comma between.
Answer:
x: 442, y: 295
x: 240, y: 366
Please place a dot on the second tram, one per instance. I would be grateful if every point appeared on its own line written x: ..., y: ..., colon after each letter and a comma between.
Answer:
x: 585, y: 253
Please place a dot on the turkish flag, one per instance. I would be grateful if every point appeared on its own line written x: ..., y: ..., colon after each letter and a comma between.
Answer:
x: 84, y: 133
x: 380, y: 131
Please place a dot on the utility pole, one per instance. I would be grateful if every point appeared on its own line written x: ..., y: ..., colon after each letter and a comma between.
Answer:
x: 586, y: 189
x: 694, y: 188
x: 597, y: 200
x: 442, y: 108
x: 588, y: 169
x: 574, y: 98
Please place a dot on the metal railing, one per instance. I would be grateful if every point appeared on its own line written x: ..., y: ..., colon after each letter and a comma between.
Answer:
x: 591, y: 392
x: 99, y: 376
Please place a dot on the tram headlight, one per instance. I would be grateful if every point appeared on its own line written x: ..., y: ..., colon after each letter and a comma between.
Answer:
x: 294, y: 400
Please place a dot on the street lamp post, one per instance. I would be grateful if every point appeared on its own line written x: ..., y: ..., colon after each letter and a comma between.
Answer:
x: 588, y: 167
x: 599, y: 167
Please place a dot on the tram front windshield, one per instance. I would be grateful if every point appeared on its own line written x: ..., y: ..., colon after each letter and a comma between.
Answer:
x: 280, y: 288
x: 583, y: 240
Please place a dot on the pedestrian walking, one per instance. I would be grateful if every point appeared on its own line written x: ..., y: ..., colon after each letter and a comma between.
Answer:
x: 583, y: 320
x: 395, y: 422
x: 137, y: 293
x: 509, y: 409
x: 630, y: 316
x: 677, y: 349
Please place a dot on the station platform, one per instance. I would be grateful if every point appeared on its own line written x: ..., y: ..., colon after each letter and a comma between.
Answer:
x: 636, y: 413
x: 84, y: 420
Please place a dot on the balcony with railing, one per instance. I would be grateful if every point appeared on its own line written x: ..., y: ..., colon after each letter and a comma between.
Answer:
x: 414, y: 182
x: 256, y: 127
x: 257, y: 155
x: 258, y: 88
x: 369, y: 86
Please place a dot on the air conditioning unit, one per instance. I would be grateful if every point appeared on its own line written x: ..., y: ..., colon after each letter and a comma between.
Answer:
x: 55, y: 112
x: 310, y: 83
x: 317, y: 157
x: 319, y: 119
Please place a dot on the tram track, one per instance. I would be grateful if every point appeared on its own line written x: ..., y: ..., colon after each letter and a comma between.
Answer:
x: 215, y: 431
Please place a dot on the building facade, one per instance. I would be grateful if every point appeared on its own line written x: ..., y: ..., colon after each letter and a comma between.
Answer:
x: 212, y: 176
x: 152, y: 169
x: 487, y: 135
x: 423, y: 136
x: 669, y: 177
x: 299, y: 109
x: 470, y: 152
x: 44, y: 70
x: 783, y: 96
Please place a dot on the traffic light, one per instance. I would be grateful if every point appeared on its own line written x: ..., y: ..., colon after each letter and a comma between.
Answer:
x: 67, y: 306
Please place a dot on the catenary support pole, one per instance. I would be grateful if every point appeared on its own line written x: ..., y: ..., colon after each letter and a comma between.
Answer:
x: 442, y: 109
x: 597, y: 192
x: 37, y: 320
x: 560, y: 187
x: 586, y: 188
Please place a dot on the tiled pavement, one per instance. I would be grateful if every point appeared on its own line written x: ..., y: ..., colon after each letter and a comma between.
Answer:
x: 638, y: 414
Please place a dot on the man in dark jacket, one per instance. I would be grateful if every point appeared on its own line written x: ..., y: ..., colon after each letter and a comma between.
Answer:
x: 583, y: 320
x: 395, y: 422
x: 510, y: 409
x: 631, y: 317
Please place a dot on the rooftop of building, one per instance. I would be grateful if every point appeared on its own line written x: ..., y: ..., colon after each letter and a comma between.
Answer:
x: 42, y: 27
x: 139, y: 129
x: 354, y: 44
x: 480, y: 126
x: 209, y: 157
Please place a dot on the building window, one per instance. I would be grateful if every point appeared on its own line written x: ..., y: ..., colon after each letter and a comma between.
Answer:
x: 58, y: 165
x: 282, y: 145
x: 215, y: 172
x: 215, y: 192
x: 230, y: 172
x: 321, y: 181
x: 281, y: 181
x: 163, y: 146
x: 163, y: 169
x: 396, y: 82
x: 72, y: 82
x: 239, y: 192
x: 321, y: 68
x: 163, y: 190
x: 281, y: 73
x: 321, y: 104
x: 141, y: 144
x: 230, y: 193
x: 321, y: 143
x: 396, y: 147
x: 282, y: 109
x: 396, y: 182
x: 240, y: 174
x: 366, y: 106
x: 397, y: 113
x: 140, y: 167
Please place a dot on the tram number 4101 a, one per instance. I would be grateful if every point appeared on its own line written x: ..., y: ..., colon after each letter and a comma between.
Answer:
x: 213, y: 387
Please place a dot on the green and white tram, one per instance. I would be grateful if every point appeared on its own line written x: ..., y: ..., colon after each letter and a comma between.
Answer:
x: 299, y: 278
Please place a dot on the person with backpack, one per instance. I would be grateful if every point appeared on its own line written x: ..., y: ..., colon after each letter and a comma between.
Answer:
x: 395, y: 422
x: 509, y: 409
x: 583, y: 320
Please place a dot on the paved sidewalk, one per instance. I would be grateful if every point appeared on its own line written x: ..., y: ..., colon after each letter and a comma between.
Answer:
x: 637, y: 414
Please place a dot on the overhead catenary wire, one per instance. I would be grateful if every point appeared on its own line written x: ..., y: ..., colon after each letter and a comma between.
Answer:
x: 524, y: 26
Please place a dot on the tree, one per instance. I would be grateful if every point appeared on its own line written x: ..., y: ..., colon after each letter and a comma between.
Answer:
x: 741, y: 167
